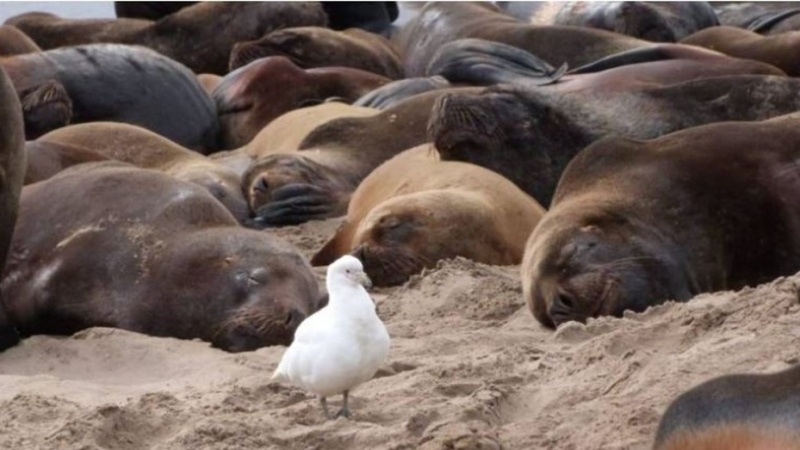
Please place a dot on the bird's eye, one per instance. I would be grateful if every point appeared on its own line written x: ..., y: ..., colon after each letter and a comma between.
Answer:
x: 348, y: 270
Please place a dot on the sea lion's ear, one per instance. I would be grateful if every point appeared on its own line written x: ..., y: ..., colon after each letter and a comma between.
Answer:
x: 45, y: 108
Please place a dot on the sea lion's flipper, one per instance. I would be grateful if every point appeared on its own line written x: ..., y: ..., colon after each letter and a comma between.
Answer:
x: 635, y: 56
x: 294, y: 204
x: 481, y: 62
x: 390, y: 94
x: 765, y: 22
x: 45, y: 108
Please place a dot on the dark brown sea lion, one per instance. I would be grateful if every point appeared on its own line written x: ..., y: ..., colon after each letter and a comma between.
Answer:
x: 287, y: 132
x: 316, y: 182
x: 252, y: 96
x: 441, y: 22
x: 311, y: 47
x: 145, y: 149
x: 414, y: 210
x: 200, y: 36
x: 12, y: 172
x: 780, y: 51
x: 15, y: 42
x: 529, y: 135
x: 651, y: 21
x: 375, y: 17
x: 150, y: 254
x: 636, y: 223
x: 735, y: 412
x: 45, y: 159
x: 117, y: 83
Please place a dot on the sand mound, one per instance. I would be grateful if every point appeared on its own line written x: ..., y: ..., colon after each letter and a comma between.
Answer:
x: 469, y: 369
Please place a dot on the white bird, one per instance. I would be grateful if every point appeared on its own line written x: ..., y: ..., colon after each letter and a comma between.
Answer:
x: 341, y: 345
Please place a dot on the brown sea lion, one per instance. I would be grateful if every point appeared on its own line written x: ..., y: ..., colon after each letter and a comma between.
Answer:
x: 780, y: 50
x: 145, y: 149
x: 45, y: 159
x: 735, y: 412
x: 441, y: 22
x: 311, y: 47
x: 415, y: 210
x: 12, y: 172
x: 119, y: 83
x: 151, y: 254
x: 316, y: 181
x: 529, y: 135
x: 200, y: 36
x: 636, y: 223
x: 209, y: 81
x: 252, y: 96
x: 15, y: 42
x: 287, y: 132
x: 651, y: 21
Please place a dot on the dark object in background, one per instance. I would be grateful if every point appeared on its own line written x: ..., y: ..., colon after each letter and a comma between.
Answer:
x: 375, y: 17
x: 148, y: 10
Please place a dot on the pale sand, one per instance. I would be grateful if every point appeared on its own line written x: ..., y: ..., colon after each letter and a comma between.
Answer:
x: 469, y: 369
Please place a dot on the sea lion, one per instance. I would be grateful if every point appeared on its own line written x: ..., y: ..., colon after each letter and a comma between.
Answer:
x: 200, y: 36
x: 286, y: 133
x: 636, y: 223
x: 12, y: 172
x: 151, y: 254
x: 15, y: 42
x: 529, y: 135
x: 389, y: 94
x: 441, y: 22
x: 316, y: 182
x: 311, y: 47
x: 45, y: 159
x: 780, y: 51
x: 120, y: 83
x: 145, y: 149
x: 651, y: 21
x: 746, y: 411
x: 414, y: 210
x: 209, y: 81
x: 252, y: 96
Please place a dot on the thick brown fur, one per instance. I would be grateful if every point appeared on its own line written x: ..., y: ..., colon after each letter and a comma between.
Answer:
x: 415, y: 210
x: 139, y: 250
x: 145, y: 149
x: 735, y: 412
x: 15, y: 42
x: 200, y: 36
x: 734, y: 437
x: 317, y: 181
x: 254, y: 95
x: 12, y: 173
x: 311, y: 47
x: 636, y: 223
x: 287, y: 132
x: 781, y: 50
x: 45, y: 159
x: 439, y: 23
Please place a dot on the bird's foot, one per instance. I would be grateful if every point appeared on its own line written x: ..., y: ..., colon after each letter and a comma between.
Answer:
x: 344, y: 412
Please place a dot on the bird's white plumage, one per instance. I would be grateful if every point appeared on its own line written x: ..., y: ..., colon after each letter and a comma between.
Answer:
x: 341, y: 345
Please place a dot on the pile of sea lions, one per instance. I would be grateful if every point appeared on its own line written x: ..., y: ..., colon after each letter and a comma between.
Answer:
x: 624, y: 154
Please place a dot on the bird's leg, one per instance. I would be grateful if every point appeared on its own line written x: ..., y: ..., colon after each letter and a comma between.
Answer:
x: 324, y: 402
x: 345, y: 411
